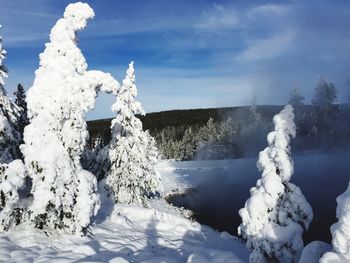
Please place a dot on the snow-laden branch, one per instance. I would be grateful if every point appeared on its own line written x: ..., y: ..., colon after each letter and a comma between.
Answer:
x: 103, y: 81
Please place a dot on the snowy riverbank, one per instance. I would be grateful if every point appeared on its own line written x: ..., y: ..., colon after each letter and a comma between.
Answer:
x: 161, y: 233
x: 128, y: 234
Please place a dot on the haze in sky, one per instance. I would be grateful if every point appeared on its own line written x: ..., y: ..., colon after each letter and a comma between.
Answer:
x: 191, y: 54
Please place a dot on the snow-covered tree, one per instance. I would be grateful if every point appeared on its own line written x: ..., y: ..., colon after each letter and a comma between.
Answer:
x: 132, y: 176
x: 154, y: 186
x: 20, y: 101
x: 295, y: 99
x: 207, y: 141
x: 324, y: 98
x: 226, y: 145
x: 208, y: 132
x: 188, y: 144
x: 340, y: 231
x: 325, y: 94
x: 64, y: 194
x: 89, y: 157
x: 9, y: 114
x: 276, y: 213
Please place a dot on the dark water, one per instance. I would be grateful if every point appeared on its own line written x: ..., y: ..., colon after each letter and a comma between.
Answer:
x: 220, y: 195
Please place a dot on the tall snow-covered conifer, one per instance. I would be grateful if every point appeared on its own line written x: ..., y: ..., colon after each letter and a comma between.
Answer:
x: 64, y: 194
x: 9, y: 114
x: 132, y: 152
x: 274, y: 216
x: 340, y: 231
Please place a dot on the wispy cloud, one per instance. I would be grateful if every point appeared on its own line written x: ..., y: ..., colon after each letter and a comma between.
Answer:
x: 119, y: 27
x: 24, y: 39
x: 218, y: 18
x: 269, y: 9
x: 31, y: 14
x: 266, y: 48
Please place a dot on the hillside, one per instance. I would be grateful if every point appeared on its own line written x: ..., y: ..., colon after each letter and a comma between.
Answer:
x: 174, y: 118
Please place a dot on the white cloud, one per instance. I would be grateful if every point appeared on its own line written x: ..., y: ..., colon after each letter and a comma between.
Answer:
x: 218, y: 18
x: 269, y: 9
x: 266, y: 48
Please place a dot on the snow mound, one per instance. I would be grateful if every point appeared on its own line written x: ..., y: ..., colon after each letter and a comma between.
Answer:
x: 331, y: 257
x: 314, y: 251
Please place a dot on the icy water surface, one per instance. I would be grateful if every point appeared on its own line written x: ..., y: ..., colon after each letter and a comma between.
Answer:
x: 224, y: 186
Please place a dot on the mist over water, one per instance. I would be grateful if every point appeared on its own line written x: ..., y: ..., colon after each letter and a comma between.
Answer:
x: 221, y: 192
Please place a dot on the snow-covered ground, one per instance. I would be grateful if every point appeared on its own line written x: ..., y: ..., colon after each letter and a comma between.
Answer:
x: 161, y: 233
x: 128, y: 234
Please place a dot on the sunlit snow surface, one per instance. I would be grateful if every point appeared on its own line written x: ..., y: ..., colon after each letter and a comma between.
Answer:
x: 127, y: 234
x: 130, y: 234
x: 161, y: 234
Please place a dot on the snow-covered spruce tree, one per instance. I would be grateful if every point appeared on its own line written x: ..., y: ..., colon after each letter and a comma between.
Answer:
x: 64, y: 194
x: 188, y: 144
x: 154, y: 186
x: 131, y: 152
x: 274, y: 216
x: 207, y: 139
x: 89, y: 156
x: 226, y: 146
x: 340, y: 231
x: 9, y: 114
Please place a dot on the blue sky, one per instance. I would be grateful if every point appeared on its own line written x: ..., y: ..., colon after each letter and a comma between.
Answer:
x: 194, y: 54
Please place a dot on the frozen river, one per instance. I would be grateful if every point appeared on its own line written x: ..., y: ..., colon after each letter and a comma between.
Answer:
x: 221, y: 188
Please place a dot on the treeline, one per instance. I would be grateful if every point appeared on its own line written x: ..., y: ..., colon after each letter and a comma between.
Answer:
x: 179, y: 131
x: 240, y: 131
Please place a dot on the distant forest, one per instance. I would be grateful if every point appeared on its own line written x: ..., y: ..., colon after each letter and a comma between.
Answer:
x: 236, y: 132
x: 231, y: 132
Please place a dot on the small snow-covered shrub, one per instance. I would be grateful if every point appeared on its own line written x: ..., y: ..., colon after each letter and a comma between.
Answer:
x: 131, y: 153
x: 276, y: 213
x: 64, y: 194
x: 12, y: 178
